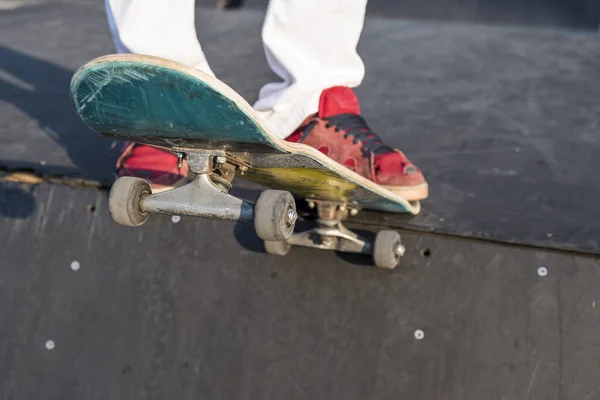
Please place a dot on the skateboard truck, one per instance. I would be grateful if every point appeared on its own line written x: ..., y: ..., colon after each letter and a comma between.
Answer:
x: 331, y: 234
x: 274, y: 214
x: 131, y: 201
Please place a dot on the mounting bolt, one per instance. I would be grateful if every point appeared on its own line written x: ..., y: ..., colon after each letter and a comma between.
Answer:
x: 242, y: 169
x: 419, y: 334
x: 400, y: 250
x: 311, y: 204
x: 179, y: 159
x: 542, y: 271
x: 292, y: 216
x: 353, y: 212
x: 220, y: 159
x: 328, y: 241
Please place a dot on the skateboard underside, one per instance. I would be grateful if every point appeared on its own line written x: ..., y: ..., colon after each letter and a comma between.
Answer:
x: 154, y: 101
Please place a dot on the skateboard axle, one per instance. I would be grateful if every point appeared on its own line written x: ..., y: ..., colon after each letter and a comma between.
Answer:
x: 331, y: 235
x: 199, y: 198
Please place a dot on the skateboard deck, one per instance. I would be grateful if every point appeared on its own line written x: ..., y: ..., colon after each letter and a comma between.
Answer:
x: 160, y: 102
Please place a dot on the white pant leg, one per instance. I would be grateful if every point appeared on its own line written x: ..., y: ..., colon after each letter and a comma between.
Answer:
x: 161, y: 28
x: 311, y: 45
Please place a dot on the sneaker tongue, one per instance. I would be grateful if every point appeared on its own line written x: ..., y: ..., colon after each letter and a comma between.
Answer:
x: 338, y: 100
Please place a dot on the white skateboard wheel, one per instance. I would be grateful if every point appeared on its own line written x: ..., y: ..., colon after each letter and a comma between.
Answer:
x: 277, y: 248
x: 387, y: 249
x: 275, y: 215
x: 124, y: 201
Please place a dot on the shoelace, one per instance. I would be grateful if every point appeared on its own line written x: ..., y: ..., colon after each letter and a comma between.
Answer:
x: 357, y: 128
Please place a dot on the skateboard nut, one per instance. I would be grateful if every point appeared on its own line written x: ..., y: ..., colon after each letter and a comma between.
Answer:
x: 175, y: 219
x: 419, y: 334
x: 179, y: 160
x: 311, y: 204
x: 328, y: 241
x: 292, y: 216
x: 353, y: 212
x: 220, y: 159
x: 400, y: 250
x: 542, y: 271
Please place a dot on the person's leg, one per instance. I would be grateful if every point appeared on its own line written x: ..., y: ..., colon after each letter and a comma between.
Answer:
x: 158, y: 28
x: 161, y: 28
x: 311, y: 45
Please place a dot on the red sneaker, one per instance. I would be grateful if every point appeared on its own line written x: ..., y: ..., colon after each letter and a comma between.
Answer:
x: 339, y: 132
x: 157, y: 166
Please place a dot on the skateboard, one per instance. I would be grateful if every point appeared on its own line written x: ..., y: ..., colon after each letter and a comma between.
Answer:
x: 159, y: 102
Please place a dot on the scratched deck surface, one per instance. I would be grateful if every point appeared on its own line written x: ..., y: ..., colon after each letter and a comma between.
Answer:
x: 146, y: 100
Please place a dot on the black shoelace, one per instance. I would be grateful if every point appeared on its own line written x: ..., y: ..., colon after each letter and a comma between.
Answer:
x: 357, y: 128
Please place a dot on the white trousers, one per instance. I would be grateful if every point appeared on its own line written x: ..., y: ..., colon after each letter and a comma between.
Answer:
x: 309, y: 44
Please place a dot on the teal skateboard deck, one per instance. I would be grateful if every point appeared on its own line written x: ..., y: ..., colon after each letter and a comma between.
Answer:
x: 158, y: 102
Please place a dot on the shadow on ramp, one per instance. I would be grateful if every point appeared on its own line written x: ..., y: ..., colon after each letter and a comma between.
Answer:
x: 41, y: 90
x: 16, y: 200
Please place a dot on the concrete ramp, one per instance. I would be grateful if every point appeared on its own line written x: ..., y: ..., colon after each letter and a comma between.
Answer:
x: 496, y: 298
x: 195, y: 309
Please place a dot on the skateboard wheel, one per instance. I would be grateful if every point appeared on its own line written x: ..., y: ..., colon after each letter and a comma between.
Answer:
x: 275, y: 215
x: 124, y: 201
x: 277, y: 248
x: 387, y: 249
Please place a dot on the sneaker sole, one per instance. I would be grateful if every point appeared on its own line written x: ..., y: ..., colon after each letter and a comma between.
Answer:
x: 163, y: 188
x: 410, y: 193
x: 157, y: 188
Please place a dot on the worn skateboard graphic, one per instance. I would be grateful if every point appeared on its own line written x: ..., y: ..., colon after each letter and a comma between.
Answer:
x: 155, y: 101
